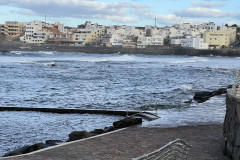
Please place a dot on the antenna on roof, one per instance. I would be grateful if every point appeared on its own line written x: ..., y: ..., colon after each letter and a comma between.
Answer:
x: 155, y: 22
x: 45, y: 18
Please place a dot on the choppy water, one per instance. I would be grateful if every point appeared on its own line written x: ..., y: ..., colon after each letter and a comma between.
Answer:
x: 111, y: 81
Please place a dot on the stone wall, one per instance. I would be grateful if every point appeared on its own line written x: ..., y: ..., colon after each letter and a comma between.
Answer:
x: 231, y: 128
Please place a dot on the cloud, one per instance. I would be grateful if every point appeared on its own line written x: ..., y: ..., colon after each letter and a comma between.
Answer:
x: 204, y: 13
x: 26, y: 12
x: 167, y: 19
x: 206, y: 4
x: 116, y: 11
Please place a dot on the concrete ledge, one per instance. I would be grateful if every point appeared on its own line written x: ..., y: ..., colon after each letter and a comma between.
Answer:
x: 69, y: 111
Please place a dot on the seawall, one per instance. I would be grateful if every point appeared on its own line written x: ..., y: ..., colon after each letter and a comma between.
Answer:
x: 151, y: 50
x: 69, y: 111
x: 231, y: 127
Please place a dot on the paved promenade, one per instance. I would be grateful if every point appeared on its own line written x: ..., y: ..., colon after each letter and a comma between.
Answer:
x: 136, y: 141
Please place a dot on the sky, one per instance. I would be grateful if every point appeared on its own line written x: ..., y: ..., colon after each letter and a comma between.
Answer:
x: 123, y: 12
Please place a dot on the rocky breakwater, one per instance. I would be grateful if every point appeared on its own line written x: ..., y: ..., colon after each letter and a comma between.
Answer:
x: 77, y: 135
x: 231, y: 127
x: 203, y: 96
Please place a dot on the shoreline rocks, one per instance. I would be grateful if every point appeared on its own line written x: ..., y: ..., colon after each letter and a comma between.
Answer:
x: 203, y: 96
x: 76, y: 135
x: 149, y: 50
x: 126, y: 122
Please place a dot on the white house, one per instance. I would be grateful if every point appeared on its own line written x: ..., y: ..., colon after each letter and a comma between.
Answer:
x: 194, y: 42
x: 156, y: 40
x: 35, y: 32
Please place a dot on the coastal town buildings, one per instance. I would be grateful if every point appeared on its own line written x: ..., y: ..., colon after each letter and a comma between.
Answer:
x: 12, y: 30
x: 35, y: 32
x: 202, y: 36
x: 190, y: 42
x: 220, y: 38
x: 194, y: 42
x: 59, y: 35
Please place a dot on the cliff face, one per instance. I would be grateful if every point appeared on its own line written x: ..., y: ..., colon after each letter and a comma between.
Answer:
x: 231, y: 127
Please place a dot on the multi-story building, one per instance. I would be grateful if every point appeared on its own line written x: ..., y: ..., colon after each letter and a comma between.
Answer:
x: 211, y: 26
x: 2, y: 28
x: 194, y: 42
x: 155, y: 40
x: 12, y: 29
x: 36, y: 32
x: 220, y: 38
x: 87, y: 37
x: 190, y: 42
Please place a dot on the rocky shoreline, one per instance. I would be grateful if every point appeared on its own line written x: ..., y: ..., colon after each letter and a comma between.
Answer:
x: 151, y: 50
x: 77, y: 135
x: 199, y: 97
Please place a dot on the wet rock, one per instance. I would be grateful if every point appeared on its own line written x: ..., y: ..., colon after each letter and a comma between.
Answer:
x: 96, y: 132
x: 76, y: 135
x: 53, y: 142
x: 99, y: 131
x: 203, y: 96
x: 220, y: 91
x: 109, y: 129
x: 129, y: 121
x: 26, y: 149
x: 92, y: 133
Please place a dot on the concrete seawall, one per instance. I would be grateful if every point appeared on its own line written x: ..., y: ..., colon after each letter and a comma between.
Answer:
x: 69, y: 111
x: 151, y: 50
x: 231, y: 128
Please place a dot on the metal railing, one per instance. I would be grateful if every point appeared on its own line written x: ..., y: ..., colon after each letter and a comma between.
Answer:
x: 175, y: 150
x: 236, y: 85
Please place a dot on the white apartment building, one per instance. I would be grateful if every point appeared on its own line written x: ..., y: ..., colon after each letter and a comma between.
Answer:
x: 35, y: 32
x: 117, y: 39
x: 194, y: 42
x: 210, y: 26
x: 150, y: 41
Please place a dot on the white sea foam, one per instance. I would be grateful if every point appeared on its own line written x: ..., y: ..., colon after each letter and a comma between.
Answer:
x: 46, y: 52
x: 204, y: 113
x: 49, y: 64
x: 191, y: 60
x: 18, y: 53
x: 186, y: 87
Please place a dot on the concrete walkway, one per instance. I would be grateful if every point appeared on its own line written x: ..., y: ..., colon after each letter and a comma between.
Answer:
x: 136, y: 141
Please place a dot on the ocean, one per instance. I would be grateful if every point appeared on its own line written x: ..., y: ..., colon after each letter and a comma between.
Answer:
x: 109, y: 82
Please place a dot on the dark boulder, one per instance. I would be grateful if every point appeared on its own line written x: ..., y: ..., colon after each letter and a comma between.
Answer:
x: 126, y: 122
x: 34, y: 147
x: 53, y: 142
x: 99, y: 131
x: 220, y: 91
x: 109, y: 129
x: 76, y: 135
x: 203, y: 96
x: 26, y: 149
x: 96, y: 132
